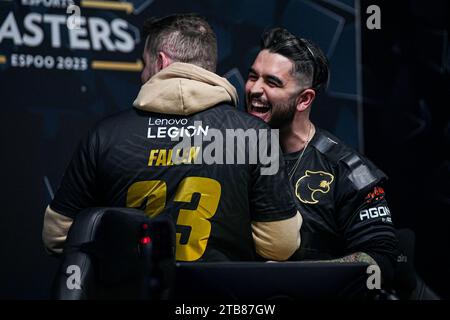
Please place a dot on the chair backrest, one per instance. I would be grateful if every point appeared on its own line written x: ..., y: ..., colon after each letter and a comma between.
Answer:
x: 408, y: 284
x: 116, y: 253
x: 405, y: 275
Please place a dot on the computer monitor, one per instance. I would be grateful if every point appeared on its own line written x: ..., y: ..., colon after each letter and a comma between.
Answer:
x: 270, y: 281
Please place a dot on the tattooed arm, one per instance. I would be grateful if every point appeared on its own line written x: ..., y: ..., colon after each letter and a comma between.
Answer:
x: 356, y: 257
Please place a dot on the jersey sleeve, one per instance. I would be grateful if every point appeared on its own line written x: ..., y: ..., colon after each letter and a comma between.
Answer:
x: 77, y: 190
x: 271, y: 196
x: 367, y: 226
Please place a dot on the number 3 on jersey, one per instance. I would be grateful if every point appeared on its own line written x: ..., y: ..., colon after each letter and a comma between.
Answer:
x: 155, y: 191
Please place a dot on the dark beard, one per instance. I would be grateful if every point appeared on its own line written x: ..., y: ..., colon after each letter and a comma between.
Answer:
x: 283, y: 113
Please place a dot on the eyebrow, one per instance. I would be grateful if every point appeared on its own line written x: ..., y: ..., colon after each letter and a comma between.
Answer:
x: 275, y: 79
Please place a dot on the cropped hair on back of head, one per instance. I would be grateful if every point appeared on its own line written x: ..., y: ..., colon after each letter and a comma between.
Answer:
x: 310, y: 64
x: 184, y: 38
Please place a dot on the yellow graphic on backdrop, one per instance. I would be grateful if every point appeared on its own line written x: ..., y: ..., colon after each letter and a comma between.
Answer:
x: 108, y: 5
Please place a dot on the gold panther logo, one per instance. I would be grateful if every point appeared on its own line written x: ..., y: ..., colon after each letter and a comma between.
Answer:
x: 311, y: 183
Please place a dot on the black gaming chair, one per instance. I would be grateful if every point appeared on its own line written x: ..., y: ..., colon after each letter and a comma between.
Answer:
x: 409, y: 285
x: 116, y: 253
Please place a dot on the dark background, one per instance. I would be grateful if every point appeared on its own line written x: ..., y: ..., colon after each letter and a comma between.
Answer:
x: 389, y: 104
x: 406, y: 87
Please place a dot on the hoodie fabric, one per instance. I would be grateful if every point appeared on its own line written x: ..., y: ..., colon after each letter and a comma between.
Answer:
x: 184, y: 89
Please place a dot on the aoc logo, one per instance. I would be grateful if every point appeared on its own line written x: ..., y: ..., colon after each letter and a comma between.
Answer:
x: 311, y: 183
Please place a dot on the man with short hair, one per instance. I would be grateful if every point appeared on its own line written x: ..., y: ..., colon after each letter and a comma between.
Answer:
x: 338, y: 191
x: 222, y: 211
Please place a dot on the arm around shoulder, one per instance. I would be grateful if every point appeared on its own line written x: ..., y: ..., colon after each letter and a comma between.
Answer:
x: 54, y: 231
x: 277, y: 240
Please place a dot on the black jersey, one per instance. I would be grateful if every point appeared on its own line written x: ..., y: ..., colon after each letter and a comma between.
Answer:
x: 131, y: 160
x: 340, y: 196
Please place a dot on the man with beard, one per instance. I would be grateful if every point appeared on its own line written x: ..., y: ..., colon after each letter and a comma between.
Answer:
x: 338, y: 191
x: 222, y: 212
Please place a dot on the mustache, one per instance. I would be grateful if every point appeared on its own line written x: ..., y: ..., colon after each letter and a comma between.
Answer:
x: 256, y: 97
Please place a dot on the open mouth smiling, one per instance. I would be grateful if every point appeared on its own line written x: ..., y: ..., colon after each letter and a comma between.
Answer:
x: 259, y: 108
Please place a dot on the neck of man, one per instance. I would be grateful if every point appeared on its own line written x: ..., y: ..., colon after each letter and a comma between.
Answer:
x: 297, y: 134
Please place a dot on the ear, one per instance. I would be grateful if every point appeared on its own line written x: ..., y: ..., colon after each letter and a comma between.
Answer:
x: 305, y: 99
x: 163, y: 60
